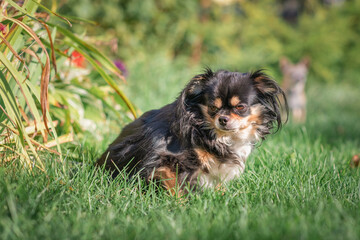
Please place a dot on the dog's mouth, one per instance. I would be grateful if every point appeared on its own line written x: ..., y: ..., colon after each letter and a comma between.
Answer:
x: 233, y: 126
x: 227, y: 130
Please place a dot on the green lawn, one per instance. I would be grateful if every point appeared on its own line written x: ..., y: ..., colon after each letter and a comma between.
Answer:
x: 297, y: 185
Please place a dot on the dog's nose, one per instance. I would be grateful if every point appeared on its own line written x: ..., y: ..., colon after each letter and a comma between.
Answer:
x: 223, y: 120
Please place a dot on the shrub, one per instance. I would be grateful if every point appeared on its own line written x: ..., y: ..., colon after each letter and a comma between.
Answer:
x: 38, y: 87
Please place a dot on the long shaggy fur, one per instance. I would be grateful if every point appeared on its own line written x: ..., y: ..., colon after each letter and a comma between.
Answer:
x: 180, y: 140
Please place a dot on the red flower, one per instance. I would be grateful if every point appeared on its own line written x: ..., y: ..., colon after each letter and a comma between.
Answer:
x: 3, y: 29
x: 77, y: 59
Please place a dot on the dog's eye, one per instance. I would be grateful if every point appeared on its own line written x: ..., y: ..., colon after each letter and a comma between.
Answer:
x: 241, y: 107
x: 213, y: 108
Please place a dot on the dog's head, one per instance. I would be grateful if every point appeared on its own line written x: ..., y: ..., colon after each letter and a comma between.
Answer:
x: 235, y: 104
x: 295, y: 73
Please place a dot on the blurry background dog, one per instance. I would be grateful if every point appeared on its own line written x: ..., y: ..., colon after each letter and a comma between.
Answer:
x: 205, y: 136
x: 294, y: 81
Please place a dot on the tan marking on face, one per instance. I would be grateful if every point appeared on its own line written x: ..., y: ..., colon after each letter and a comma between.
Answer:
x: 208, y: 118
x: 252, y: 120
x: 234, y: 101
x: 218, y: 103
x: 255, y: 116
x: 235, y: 116
x: 167, y: 178
x: 242, y: 121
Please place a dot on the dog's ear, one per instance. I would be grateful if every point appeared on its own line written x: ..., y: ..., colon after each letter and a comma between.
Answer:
x: 264, y: 84
x: 195, y: 88
x: 284, y: 63
x: 306, y: 61
x: 190, y: 97
x: 269, y: 93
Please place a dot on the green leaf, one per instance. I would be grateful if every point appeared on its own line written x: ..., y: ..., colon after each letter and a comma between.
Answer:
x: 106, y: 77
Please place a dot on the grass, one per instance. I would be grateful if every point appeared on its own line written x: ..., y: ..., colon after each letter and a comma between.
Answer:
x: 297, y: 185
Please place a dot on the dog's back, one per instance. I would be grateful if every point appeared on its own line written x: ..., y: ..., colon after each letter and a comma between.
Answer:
x: 133, y: 148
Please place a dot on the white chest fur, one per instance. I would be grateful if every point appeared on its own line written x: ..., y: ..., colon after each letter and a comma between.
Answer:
x: 222, y: 172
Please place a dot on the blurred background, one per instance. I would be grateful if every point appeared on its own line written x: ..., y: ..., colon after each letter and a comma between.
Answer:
x: 148, y: 50
x: 161, y: 44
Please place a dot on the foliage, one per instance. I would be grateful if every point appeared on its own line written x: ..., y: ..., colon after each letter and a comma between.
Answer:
x: 41, y: 86
x: 242, y: 34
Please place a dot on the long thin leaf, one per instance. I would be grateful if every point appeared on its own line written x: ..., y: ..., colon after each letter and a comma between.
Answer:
x: 53, y: 58
x: 28, y: 7
x: 8, y: 117
x: 24, y: 90
x: 37, y: 94
x: 31, y: 140
x: 15, y: 118
x: 105, y: 61
x: 45, y: 76
x: 107, y: 78
x: 15, y: 54
x: 12, y: 150
x: 76, y: 19
x: 52, y: 12
x: 99, y: 97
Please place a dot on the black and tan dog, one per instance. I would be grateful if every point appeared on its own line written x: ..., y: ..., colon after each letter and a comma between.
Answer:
x: 205, y: 136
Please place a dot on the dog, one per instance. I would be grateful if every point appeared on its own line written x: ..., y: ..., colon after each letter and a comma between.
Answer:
x: 204, y: 137
x: 294, y: 81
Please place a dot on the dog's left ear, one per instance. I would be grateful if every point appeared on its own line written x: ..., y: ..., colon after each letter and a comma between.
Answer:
x: 284, y: 63
x: 264, y: 84
x: 195, y: 88
x: 269, y: 94
x: 306, y: 61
